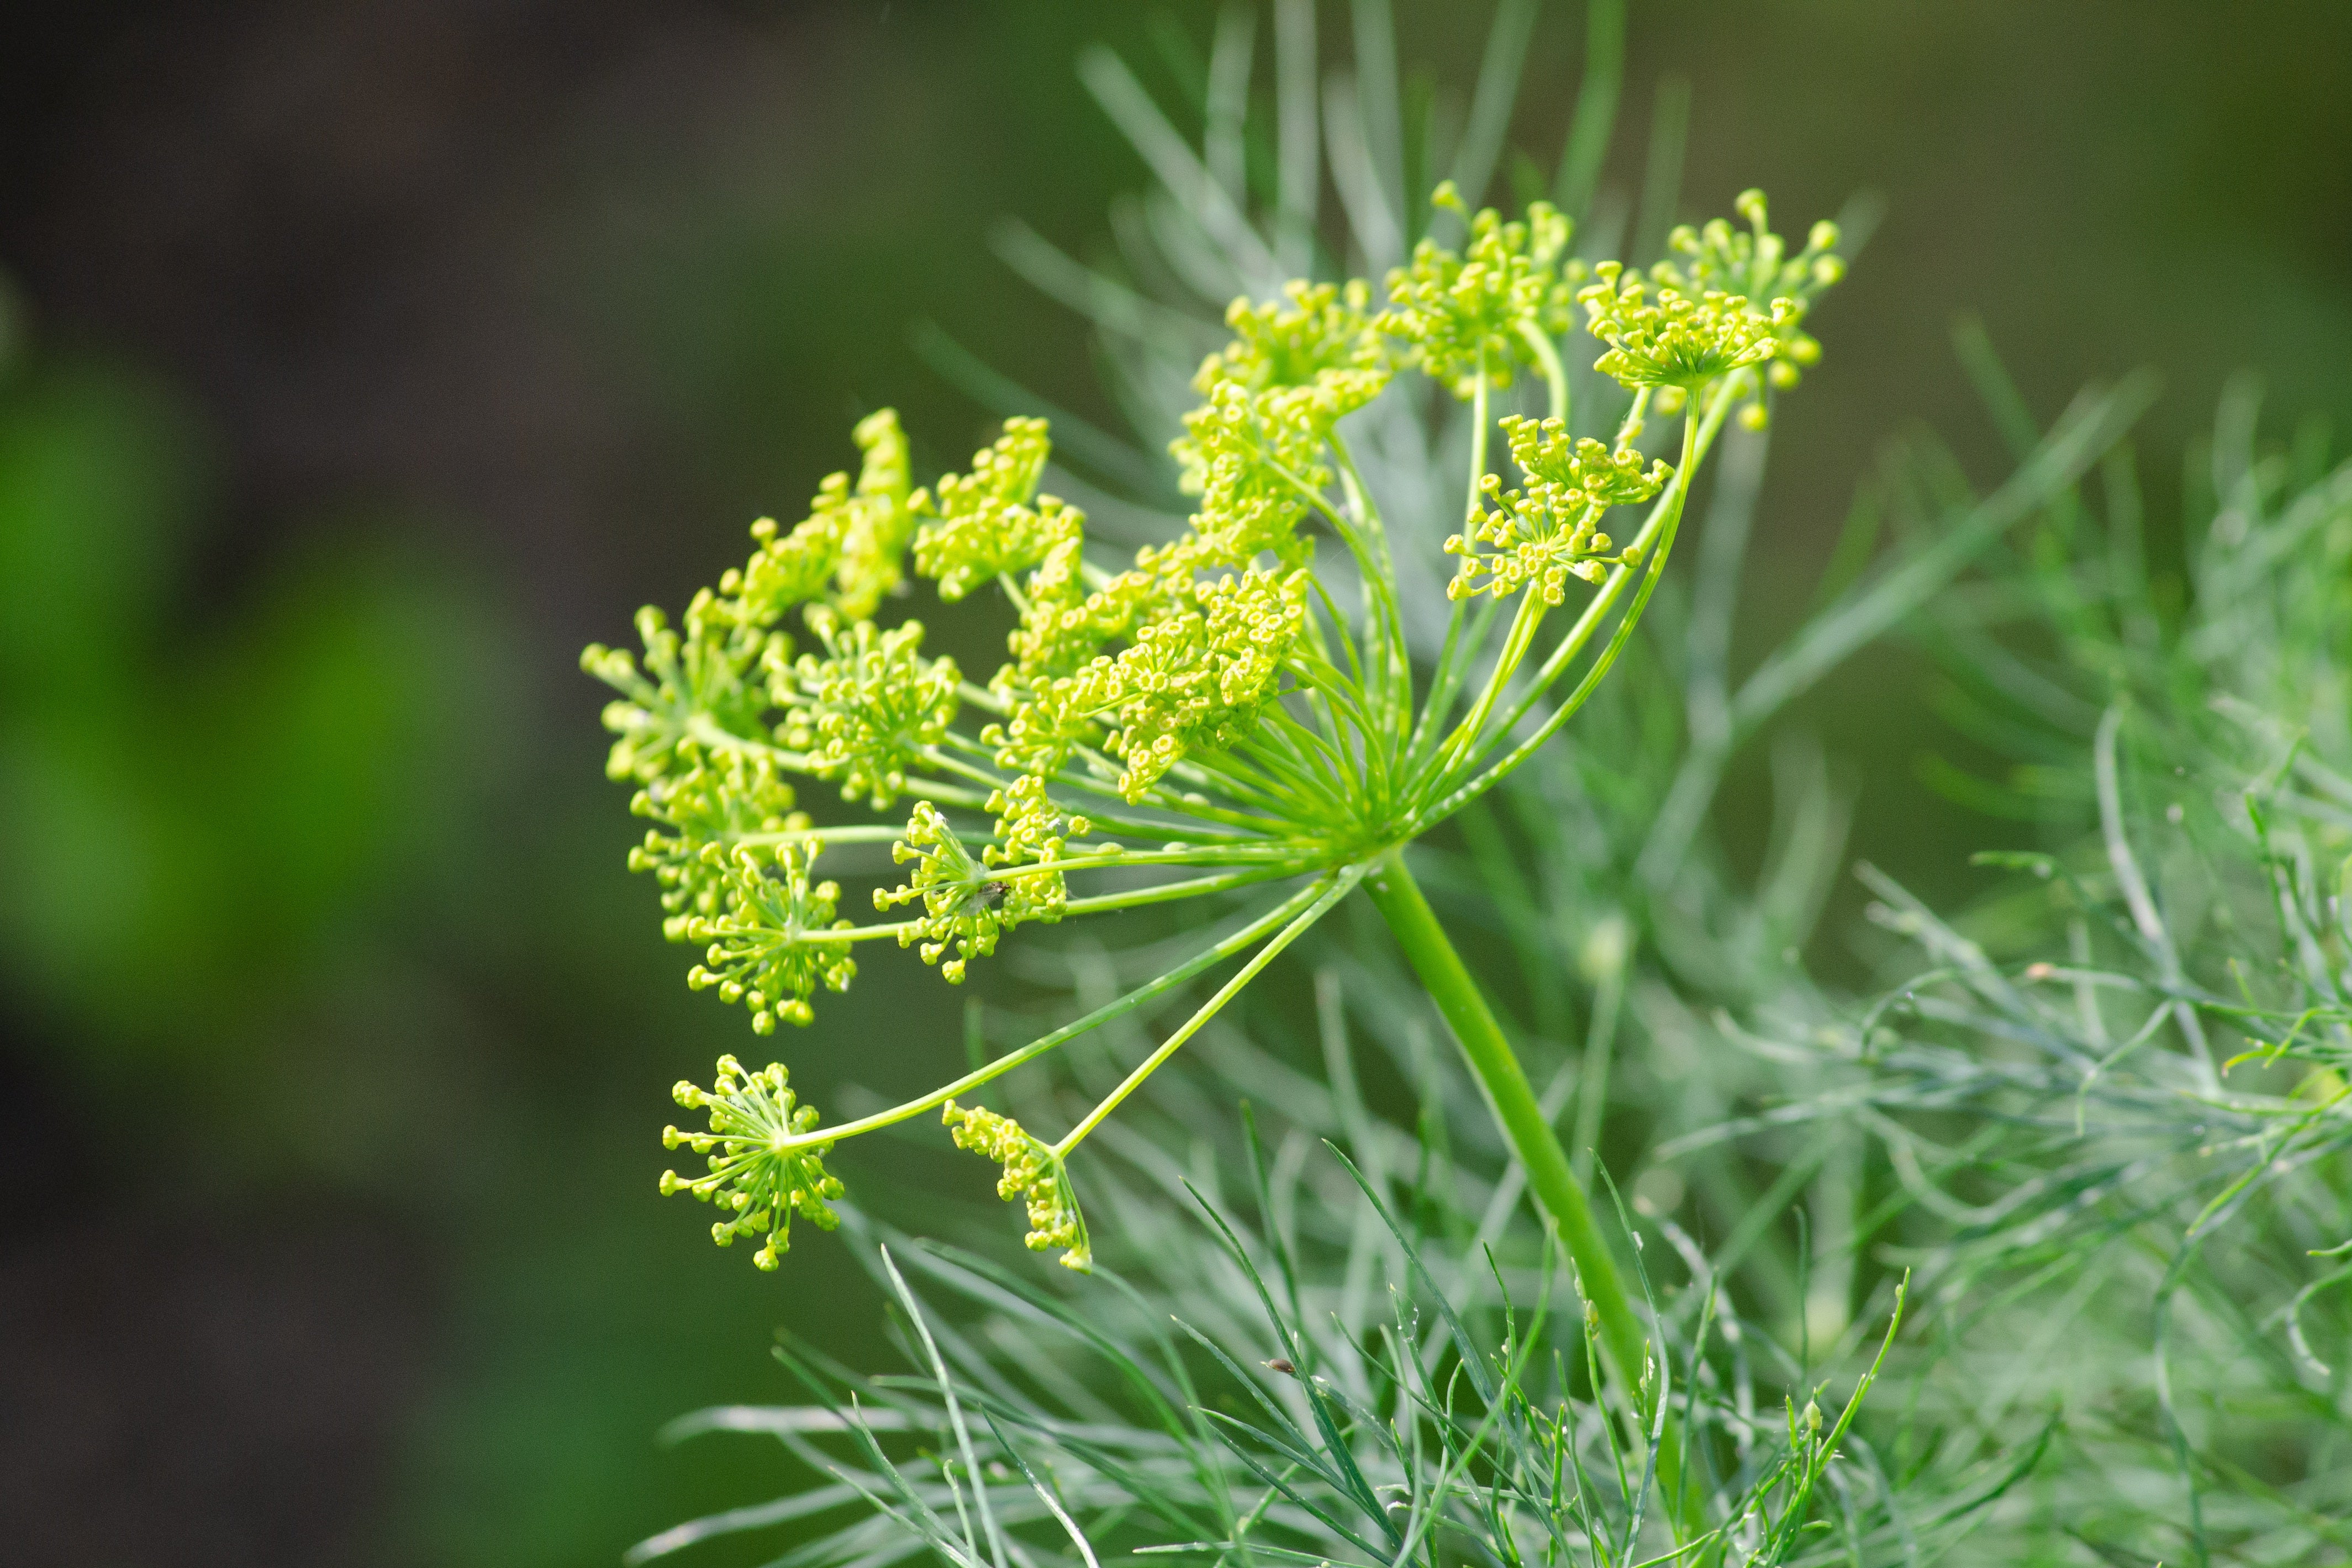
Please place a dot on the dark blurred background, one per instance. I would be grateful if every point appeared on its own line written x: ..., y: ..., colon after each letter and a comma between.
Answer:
x: 365, y: 358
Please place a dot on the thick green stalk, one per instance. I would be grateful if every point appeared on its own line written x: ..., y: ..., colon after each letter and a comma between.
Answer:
x: 1513, y: 1100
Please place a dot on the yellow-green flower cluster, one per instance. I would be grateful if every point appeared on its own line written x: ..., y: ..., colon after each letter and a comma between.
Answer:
x: 1678, y: 339
x: 1314, y: 335
x: 1030, y: 828
x: 853, y: 539
x: 1196, y: 680
x: 1548, y: 531
x: 1467, y: 316
x: 1255, y: 459
x: 1757, y: 263
x: 768, y: 945
x: 1726, y: 299
x: 708, y: 807
x: 1185, y: 678
x: 1033, y: 1171
x: 705, y: 681
x: 980, y: 526
x: 1206, y: 627
x: 863, y: 712
x: 1203, y: 662
x: 1253, y: 450
x: 757, y: 1176
x: 964, y: 903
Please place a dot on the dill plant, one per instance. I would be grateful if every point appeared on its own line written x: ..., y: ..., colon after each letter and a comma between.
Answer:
x: 1303, y: 1357
x: 1222, y: 714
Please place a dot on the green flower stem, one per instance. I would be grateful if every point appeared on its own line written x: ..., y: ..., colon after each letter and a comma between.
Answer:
x: 982, y: 698
x: 1191, y: 887
x: 1020, y: 600
x: 938, y: 757
x: 1348, y: 641
x: 849, y: 833
x: 1208, y: 957
x: 1248, y: 777
x: 1223, y: 777
x: 706, y: 731
x: 1369, y: 544
x: 1532, y: 610
x: 1443, y: 681
x: 1397, y: 692
x: 1333, y: 779
x: 1258, y: 827
x: 1214, y: 854
x: 1546, y: 353
x: 1512, y: 1098
x: 1460, y: 652
x: 1099, y: 903
x: 1480, y: 418
x: 1326, y: 892
x: 1516, y: 644
x: 1342, y: 698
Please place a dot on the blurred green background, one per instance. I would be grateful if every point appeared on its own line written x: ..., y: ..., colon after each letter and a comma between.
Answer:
x: 364, y: 358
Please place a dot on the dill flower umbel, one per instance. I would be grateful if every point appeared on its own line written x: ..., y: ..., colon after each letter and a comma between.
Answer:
x: 1220, y: 714
x: 764, y: 1167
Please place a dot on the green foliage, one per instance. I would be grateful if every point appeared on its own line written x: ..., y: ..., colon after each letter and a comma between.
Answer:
x: 2114, y: 1093
x: 1456, y: 1416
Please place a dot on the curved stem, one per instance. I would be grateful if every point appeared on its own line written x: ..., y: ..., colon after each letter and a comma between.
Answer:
x: 1381, y: 601
x: 982, y: 698
x: 706, y: 731
x: 1515, y: 642
x: 1169, y: 892
x: 1547, y: 354
x: 1465, y: 638
x: 846, y: 834
x: 1550, y: 1175
x: 1211, y: 855
x: 1012, y: 591
x: 1478, y: 424
x: 1097, y: 903
x: 1257, y: 827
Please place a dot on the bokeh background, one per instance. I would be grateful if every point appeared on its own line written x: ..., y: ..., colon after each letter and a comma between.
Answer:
x: 364, y: 358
